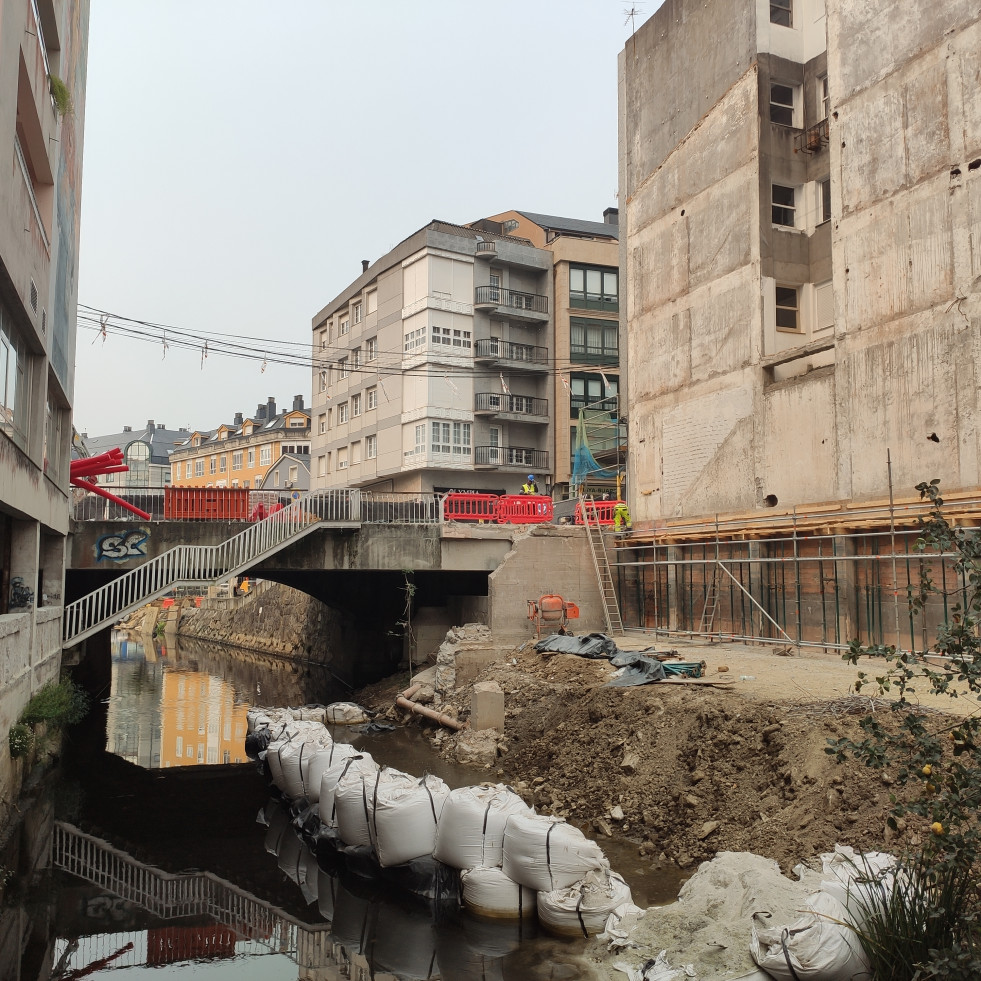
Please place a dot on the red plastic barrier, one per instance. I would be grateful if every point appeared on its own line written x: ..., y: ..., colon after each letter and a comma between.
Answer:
x: 206, y: 503
x: 523, y: 509
x: 600, y: 512
x: 469, y: 507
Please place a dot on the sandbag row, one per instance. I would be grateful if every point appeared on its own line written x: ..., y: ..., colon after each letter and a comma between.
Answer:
x: 513, y: 862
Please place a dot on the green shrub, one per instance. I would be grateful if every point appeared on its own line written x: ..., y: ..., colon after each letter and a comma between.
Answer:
x: 61, y: 96
x: 59, y: 704
x: 20, y: 738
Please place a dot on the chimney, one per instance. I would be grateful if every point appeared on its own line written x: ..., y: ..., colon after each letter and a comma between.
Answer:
x: 271, y: 408
x: 85, y: 435
x: 127, y: 429
x: 149, y: 424
x: 238, y: 419
x: 260, y: 413
x: 611, y: 216
x: 364, y: 265
x: 160, y: 425
x: 297, y: 402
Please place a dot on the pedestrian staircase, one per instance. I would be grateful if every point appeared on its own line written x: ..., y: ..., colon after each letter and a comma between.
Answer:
x: 711, y: 602
x: 192, y: 565
x: 601, y: 562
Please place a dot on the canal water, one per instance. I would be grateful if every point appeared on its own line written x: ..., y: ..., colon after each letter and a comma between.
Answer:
x: 169, y: 854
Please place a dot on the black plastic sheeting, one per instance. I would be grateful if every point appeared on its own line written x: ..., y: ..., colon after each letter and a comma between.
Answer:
x: 638, y: 668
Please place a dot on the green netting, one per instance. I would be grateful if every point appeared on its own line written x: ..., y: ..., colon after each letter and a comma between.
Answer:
x: 599, y: 429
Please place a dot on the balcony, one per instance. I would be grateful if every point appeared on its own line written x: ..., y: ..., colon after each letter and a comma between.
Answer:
x: 520, y: 408
x: 511, y: 458
x: 513, y: 304
x: 528, y: 357
x: 486, y: 250
x: 812, y: 139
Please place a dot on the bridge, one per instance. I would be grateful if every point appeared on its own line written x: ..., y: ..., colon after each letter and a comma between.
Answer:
x: 349, y: 548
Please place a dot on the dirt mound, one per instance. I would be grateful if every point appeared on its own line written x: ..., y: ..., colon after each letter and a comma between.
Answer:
x: 685, y: 771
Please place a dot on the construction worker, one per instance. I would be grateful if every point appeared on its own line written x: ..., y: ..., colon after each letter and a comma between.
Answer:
x: 621, y: 517
x: 245, y: 586
x: 529, y: 486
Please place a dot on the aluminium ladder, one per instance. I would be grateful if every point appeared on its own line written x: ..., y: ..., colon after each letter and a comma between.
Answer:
x: 711, y: 602
x: 601, y: 562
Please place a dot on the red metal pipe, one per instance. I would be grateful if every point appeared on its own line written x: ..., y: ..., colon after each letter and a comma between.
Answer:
x: 85, y: 485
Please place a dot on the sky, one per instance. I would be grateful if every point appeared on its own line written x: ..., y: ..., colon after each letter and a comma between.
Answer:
x: 241, y: 158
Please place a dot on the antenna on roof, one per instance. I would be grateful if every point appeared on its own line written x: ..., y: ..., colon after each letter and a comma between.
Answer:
x: 631, y: 13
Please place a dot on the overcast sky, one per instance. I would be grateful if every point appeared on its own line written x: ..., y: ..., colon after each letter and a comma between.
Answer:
x: 242, y: 157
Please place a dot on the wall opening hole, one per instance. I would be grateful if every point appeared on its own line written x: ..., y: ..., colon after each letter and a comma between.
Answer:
x: 956, y: 172
x: 974, y: 164
x: 682, y: 212
x: 770, y: 501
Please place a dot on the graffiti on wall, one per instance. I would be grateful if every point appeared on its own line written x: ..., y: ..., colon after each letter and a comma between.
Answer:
x: 130, y: 543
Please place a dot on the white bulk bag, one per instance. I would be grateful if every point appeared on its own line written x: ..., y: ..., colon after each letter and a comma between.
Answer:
x: 545, y: 853
x: 359, y: 763
x: 581, y: 910
x: 471, y: 826
x: 405, y: 818
x: 345, y: 714
x: 353, y: 802
x: 820, y: 946
x: 860, y: 881
x: 314, y: 765
x: 291, y: 757
x: 489, y: 892
x: 292, y: 732
x: 313, y: 713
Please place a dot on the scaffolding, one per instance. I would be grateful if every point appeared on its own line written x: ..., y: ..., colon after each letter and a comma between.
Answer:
x: 802, y: 582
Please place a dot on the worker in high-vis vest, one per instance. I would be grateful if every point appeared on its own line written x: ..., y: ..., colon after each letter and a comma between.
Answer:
x: 529, y: 486
x: 621, y: 516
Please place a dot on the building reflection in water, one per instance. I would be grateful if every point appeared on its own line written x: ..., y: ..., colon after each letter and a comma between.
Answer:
x: 165, y: 710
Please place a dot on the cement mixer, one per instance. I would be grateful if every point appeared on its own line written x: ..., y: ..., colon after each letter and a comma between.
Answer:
x: 551, y: 612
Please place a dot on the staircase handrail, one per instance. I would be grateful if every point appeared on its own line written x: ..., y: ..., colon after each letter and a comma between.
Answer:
x: 185, y: 564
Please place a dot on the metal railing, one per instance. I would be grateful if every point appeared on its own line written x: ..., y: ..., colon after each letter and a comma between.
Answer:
x: 186, y: 564
x: 486, y: 248
x: 494, y: 349
x: 511, y: 456
x: 512, y: 299
x: 395, y: 508
x: 515, y: 404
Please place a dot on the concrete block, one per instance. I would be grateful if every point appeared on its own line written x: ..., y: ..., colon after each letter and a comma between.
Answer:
x: 470, y: 663
x: 487, y: 706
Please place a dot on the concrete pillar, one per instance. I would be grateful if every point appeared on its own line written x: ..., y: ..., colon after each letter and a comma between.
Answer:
x: 487, y: 706
x: 52, y: 557
x: 675, y: 586
x: 847, y: 571
x: 759, y: 625
x: 23, y: 565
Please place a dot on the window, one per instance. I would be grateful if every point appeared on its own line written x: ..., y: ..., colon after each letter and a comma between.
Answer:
x: 324, y: 374
x: 371, y: 398
x: 342, y: 458
x: 344, y: 367
x: 213, y: 467
x: 594, y: 287
x: 187, y: 469
x: 371, y: 447
x: 298, y: 422
x: 356, y: 404
x: 372, y: 301
x: 358, y: 313
x: 781, y: 104
x: 824, y: 109
x: 825, y: 200
x: 342, y: 413
x: 222, y: 464
x: 781, y: 12
x: 356, y: 358
x: 323, y: 340
x: 237, y: 460
x: 787, y: 308
x: 414, y: 339
x: 782, y: 209
x: 420, y: 441
x: 265, y: 456
x: 330, y: 418
x: 294, y: 474
x: 453, y: 438
x: 321, y: 466
x: 276, y: 478
x: 355, y: 453
x: 461, y: 438
x: 451, y: 337
x: 322, y: 423
x: 371, y: 349
x: 594, y: 340
x: 251, y: 458
x: 199, y: 468
x: 345, y: 327
x: 593, y: 391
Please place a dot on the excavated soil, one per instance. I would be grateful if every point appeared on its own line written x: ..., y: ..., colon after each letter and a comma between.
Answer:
x: 686, y: 771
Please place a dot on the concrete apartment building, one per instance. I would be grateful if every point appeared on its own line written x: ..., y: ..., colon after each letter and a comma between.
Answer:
x: 241, y: 453
x: 145, y: 451
x: 459, y: 360
x: 799, y: 238
x: 800, y: 214
x: 40, y: 194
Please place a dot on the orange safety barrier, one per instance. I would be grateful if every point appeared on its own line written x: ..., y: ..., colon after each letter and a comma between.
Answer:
x: 206, y: 503
x: 523, y: 509
x: 469, y: 507
x: 600, y: 512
